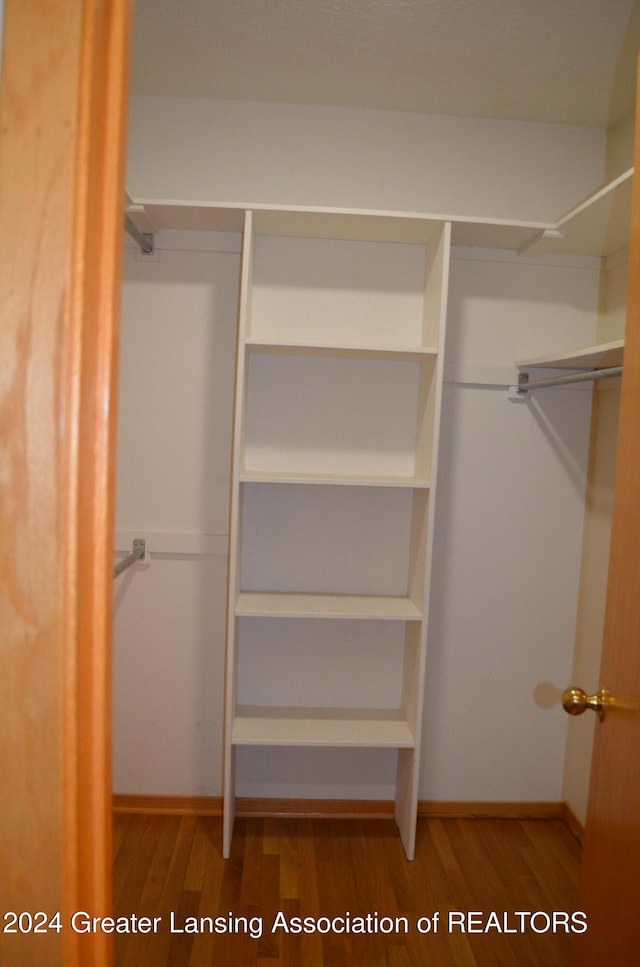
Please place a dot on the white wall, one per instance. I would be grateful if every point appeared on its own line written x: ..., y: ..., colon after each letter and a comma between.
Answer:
x: 241, y: 152
x: 620, y: 143
x: 508, y: 532
x: 178, y: 337
x: 511, y: 491
x: 613, y: 296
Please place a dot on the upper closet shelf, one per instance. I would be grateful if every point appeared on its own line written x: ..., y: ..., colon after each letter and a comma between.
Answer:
x: 589, y: 357
x: 600, y: 225
x: 408, y: 227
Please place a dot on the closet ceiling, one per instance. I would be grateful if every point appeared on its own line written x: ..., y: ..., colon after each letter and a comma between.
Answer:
x: 567, y: 61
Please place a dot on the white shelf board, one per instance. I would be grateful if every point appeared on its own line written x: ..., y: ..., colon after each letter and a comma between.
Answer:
x: 490, y: 233
x: 589, y: 357
x: 364, y: 728
x: 333, y: 479
x: 600, y: 225
x: 366, y: 225
x: 188, y: 216
x: 324, y: 349
x: 347, y: 224
x: 262, y: 604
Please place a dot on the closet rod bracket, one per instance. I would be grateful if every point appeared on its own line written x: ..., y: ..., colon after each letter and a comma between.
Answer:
x: 145, y: 240
x: 138, y: 553
x: 148, y: 247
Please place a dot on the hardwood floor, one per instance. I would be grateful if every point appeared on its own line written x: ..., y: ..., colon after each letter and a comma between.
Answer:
x: 170, y: 867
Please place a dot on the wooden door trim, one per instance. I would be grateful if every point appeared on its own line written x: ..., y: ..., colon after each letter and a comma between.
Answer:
x: 94, y: 310
x: 63, y: 102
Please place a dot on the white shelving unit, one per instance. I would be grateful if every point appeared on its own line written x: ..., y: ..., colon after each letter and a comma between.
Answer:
x: 338, y: 390
x: 339, y: 381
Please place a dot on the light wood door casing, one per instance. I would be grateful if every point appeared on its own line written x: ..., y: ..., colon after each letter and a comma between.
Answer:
x: 609, y: 877
x: 62, y: 113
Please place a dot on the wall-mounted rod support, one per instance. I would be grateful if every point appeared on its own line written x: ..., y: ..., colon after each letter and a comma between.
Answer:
x: 136, y: 554
x: 525, y: 384
x: 144, y: 240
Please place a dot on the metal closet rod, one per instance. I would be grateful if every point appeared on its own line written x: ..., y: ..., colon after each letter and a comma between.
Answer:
x: 525, y: 384
x: 144, y: 240
x: 138, y: 552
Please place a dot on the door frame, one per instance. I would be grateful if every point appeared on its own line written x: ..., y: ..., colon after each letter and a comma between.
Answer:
x: 608, y: 877
x: 63, y: 110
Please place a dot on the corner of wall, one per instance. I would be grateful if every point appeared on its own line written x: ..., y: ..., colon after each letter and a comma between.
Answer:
x: 619, y: 146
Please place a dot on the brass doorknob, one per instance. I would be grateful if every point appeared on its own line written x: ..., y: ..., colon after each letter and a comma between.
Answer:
x: 575, y: 701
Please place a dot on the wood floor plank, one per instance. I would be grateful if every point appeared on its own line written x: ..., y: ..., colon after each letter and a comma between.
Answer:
x: 289, y: 863
x: 311, y: 948
x: 136, y: 949
x: 208, y: 871
x: 345, y: 869
x: 476, y: 862
x: 133, y: 856
x: 176, y: 902
x: 444, y: 891
x: 252, y: 864
x: 119, y: 830
x: 336, y: 886
x: 202, y: 848
x: 272, y: 831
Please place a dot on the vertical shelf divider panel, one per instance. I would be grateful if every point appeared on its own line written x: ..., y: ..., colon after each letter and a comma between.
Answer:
x: 338, y: 396
x: 231, y: 664
x: 427, y: 441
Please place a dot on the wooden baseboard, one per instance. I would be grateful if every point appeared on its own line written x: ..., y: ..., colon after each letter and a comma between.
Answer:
x: 571, y: 821
x: 428, y: 809
x: 317, y: 808
x: 212, y: 806
x: 168, y: 805
x: 345, y: 808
